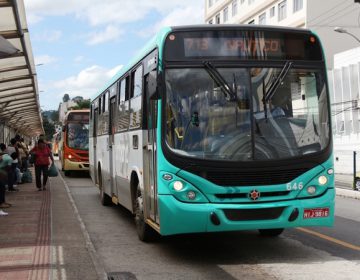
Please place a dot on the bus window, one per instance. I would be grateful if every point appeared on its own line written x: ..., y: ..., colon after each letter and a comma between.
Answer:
x: 78, y: 136
x: 95, y: 123
x: 122, y: 91
x: 135, y: 103
x: 106, y: 102
x: 123, y: 119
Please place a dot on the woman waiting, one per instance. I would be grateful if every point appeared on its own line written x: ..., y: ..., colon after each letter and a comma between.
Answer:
x: 42, y: 154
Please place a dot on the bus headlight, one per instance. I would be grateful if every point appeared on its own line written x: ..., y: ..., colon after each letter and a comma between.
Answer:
x: 191, y: 195
x: 167, y: 177
x: 311, y: 190
x: 322, y: 180
x: 178, y: 186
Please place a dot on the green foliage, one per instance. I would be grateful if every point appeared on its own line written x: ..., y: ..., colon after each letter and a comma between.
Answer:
x: 83, y: 104
x: 49, y: 127
x: 66, y: 97
x: 55, y: 117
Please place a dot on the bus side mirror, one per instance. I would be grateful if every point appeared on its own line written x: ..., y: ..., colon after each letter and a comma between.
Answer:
x: 152, y: 85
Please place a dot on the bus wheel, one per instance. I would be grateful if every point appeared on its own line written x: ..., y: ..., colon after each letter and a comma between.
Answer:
x: 104, y: 198
x: 145, y: 232
x: 272, y: 232
x: 67, y: 173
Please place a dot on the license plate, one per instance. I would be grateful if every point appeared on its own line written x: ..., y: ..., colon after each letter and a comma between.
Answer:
x: 316, y: 213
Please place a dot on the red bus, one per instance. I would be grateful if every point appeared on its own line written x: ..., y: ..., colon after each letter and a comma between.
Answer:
x: 74, y: 144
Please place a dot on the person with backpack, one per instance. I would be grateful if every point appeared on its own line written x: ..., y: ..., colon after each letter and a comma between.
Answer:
x: 42, y: 154
x: 13, y: 151
x: 5, y: 165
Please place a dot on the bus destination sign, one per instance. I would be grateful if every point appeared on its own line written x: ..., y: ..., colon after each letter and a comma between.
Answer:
x: 240, y: 47
x: 269, y: 45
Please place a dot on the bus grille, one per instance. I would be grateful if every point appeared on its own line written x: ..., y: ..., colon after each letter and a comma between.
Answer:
x: 246, y: 195
x: 251, y: 178
x: 253, y: 214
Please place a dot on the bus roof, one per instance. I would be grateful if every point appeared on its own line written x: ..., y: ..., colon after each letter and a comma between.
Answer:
x: 77, y: 111
x: 159, y: 39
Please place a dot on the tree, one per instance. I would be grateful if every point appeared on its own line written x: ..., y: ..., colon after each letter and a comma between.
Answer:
x: 83, y: 104
x: 49, y: 128
x: 66, y: 97
x: 55, y: 117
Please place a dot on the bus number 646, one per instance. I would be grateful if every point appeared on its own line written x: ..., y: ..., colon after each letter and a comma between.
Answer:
x: 294, y: 186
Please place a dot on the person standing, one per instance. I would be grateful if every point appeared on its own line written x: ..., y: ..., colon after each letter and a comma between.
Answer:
x: 13, y: 151
x: 42, y: 154
x: 5, y: 165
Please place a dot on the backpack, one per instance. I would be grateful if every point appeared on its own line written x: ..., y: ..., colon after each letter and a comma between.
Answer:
x: 26, y: 177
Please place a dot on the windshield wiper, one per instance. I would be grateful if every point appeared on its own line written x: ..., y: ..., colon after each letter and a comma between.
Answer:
x: 275, y: 84
x: 230, y: 95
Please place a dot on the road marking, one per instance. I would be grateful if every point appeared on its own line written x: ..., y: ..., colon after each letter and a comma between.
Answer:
x: 331, y: 239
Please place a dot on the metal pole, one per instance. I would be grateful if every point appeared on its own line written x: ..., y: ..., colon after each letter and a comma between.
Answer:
x: 354, y: 180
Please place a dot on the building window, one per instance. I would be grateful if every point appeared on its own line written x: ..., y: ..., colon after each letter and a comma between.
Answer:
x: 272, y: 11
x: 282, y: 10
x: 226, y: 14
x: 211, y: 2
x: 251, y: 22
x: 234, y: 8
x: 210, y: 21
x: 298, y: 5
x: 217, y: 19
x: 262, y: 19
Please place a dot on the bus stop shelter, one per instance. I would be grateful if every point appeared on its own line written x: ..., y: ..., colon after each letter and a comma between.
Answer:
x: 19, y: 94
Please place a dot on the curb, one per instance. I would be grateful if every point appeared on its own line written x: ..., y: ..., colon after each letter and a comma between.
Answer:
x: 98, y: 264
x: 348, y: 193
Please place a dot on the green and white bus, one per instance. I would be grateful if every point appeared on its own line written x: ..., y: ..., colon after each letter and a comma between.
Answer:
x: 217, y: 128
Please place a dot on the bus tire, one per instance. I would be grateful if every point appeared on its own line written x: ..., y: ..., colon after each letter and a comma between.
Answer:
x: 271, y: 232
x: 104, y: 198
x: 67, y: 173
x: 144, y: 231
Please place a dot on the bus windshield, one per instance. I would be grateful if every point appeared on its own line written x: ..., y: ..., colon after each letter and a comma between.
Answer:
x: 275, y: 114
x: 78, y: 136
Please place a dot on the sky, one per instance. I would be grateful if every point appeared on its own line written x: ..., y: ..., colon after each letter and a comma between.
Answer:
x: 78, y: 45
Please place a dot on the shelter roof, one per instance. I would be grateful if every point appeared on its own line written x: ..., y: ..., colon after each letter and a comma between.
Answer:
x: 19, y: 94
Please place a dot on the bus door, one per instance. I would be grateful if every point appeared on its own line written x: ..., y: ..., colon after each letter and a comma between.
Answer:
x: 95, y: 129
x: 151, y: 181
x: 112, y: 124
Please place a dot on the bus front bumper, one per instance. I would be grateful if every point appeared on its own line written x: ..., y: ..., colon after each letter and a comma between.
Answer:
x: 178, y: 217
x: 76, y: 166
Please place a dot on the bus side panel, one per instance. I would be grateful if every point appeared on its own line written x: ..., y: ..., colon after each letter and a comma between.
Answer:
x: 136, y: 155
x: 121, y: 162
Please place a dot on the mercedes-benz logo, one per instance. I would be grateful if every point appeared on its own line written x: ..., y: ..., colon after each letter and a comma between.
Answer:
x: 254, y: 195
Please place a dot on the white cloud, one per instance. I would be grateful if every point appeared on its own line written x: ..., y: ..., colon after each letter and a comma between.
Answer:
x: 79, y: 59
x: 48, y: 36
x: 45, y: 59
x: 87, y: 83
x: 110, y: 11
x: 109, y: 34
x: 179, y: 16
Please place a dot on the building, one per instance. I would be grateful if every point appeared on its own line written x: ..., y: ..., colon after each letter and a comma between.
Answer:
x: 319, y: 16
x: 64, y: 108
x: 344, y: 83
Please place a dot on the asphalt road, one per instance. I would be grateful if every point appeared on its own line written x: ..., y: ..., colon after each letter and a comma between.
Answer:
x: 310, y: 253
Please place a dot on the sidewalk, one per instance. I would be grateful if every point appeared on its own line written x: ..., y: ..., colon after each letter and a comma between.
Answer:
x: 41, y: 238
x: 344, y: 186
